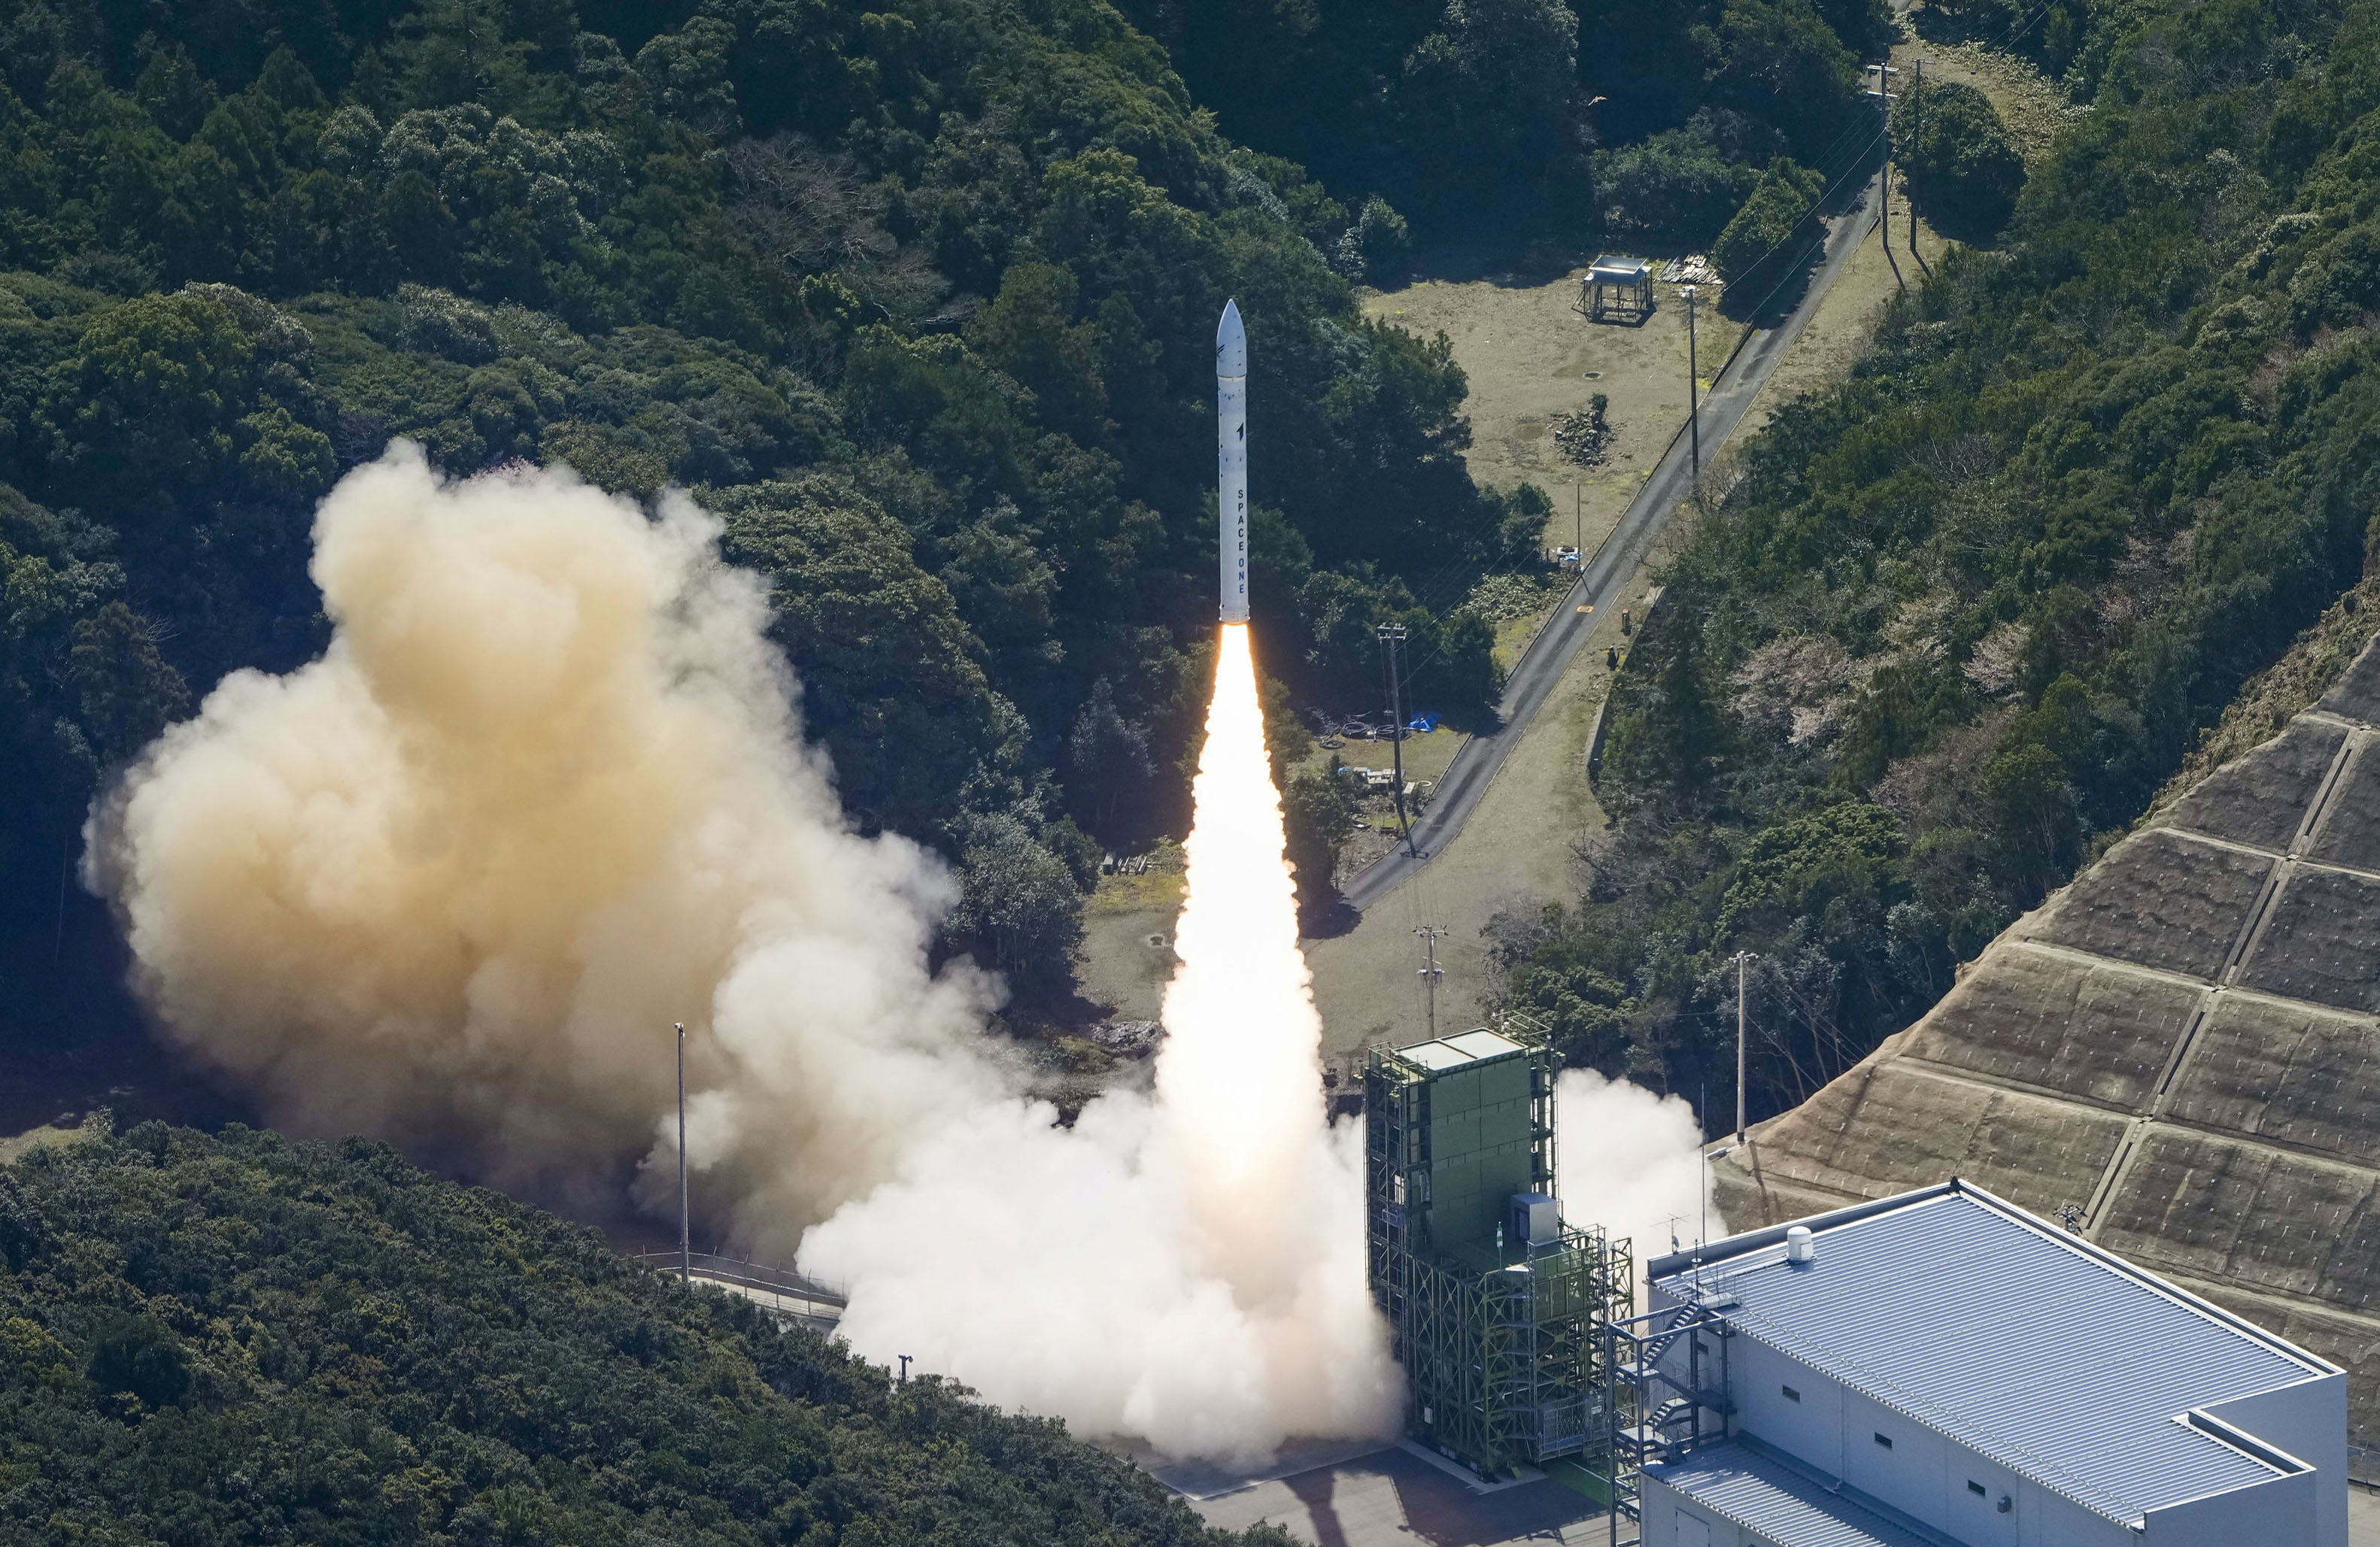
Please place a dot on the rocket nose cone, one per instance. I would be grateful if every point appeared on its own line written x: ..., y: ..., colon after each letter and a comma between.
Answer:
x: 1231, y: 342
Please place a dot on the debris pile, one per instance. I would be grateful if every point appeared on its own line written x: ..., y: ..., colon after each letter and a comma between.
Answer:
x: 1583, y: 436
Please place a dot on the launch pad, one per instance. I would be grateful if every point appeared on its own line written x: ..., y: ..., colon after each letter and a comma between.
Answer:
x: 1496, y: 1306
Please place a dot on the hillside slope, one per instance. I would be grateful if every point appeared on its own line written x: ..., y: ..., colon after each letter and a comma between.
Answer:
x: 1956, y: 621
x: 238, y: 1339
x: 2179, y: 1048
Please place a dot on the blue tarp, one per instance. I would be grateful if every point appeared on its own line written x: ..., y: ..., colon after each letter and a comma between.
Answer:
x: 1422, y: 722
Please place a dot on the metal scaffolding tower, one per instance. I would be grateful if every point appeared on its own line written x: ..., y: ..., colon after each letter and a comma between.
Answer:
x: 1496, y: 1307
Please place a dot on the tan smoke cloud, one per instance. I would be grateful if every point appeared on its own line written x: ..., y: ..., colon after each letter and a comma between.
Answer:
x: 542, y: 796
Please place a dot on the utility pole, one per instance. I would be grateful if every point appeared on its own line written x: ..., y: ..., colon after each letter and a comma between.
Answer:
x: 1916, y: 119
x: 1743, y: 959
x: 1883, y: 95
x: 1694, y: 387
x: 1578, y: 523
x: 904, y: 1369
x: 1430, y: 934
x: 685, y: 1237
x: 1391, y: 636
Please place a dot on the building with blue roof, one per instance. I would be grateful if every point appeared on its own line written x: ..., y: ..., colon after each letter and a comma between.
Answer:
x: 1942, y: 1368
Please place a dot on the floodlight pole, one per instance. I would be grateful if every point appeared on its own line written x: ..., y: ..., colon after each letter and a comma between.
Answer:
x: 1694, y: 387
x: 1916, y: 120
x: 1883, y: 94
x: 684, y: 1233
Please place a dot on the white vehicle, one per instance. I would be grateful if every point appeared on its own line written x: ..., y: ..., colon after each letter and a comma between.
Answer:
x: 1565, y: 555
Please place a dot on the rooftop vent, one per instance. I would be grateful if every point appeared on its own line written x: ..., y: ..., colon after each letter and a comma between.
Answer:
x: 1800, y: 1246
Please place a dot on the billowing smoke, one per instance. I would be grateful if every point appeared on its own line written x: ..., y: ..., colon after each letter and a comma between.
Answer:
x: 1631, y: 1161
x: 544, y: 795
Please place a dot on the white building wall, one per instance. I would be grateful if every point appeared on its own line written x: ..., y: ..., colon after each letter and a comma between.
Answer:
x: 2275, y: 1514
x: 1807, y: 1426
x: 2309, y: 1420
x: 1925, y: 1474
x: 2047, y: 1519
x: 1669, y: 1519
x: 1897, y: 1460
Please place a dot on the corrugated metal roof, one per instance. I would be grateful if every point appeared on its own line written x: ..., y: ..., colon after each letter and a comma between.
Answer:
x: 2056, y: 1361
x: 1470, y: 1046
x: 1774, y: 1500
x: 1481, y: 1043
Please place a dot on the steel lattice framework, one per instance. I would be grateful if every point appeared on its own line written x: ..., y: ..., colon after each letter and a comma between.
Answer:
x: 1502, y: 1342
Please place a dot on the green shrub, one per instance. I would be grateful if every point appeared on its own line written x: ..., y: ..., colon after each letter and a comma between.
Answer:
x: 1677, y: 184
x: 1963, y: 172
x: 1773, y: 232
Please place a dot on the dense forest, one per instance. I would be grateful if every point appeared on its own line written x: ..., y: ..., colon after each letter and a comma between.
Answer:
x: 238, y: 1339
x: 1948, y: 626
x: 920, y: 301
x: 1528, y: 117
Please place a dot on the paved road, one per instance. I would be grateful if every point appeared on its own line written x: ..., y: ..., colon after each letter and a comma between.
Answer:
x: 1468, y: 778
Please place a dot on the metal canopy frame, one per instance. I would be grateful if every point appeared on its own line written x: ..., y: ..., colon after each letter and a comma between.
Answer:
x: 1618, y: 289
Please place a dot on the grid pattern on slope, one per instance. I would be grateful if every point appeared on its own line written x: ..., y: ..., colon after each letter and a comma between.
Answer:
x: 2259, y: 797
x: 1846, y: 1144
x: 2163, y: 899
x: 2043, y: 1357
x: 1777, y: 1503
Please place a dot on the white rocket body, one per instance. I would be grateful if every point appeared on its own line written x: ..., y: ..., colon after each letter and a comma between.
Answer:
x: 1231, y: 459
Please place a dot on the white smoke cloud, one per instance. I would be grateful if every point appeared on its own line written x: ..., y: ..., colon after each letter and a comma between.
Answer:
x: 1631, y: 1161
x: 545, y: 794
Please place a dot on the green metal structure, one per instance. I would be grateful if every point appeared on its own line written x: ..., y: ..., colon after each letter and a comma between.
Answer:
x: 1497, y: 1307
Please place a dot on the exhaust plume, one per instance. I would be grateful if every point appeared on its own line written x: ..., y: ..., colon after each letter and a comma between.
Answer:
x: 1188, y: 1268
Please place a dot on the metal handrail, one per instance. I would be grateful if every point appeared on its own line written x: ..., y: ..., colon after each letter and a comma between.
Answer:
x: 782, y: 1282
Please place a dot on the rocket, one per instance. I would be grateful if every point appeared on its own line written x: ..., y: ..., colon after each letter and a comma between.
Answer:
x: 1231, y: 459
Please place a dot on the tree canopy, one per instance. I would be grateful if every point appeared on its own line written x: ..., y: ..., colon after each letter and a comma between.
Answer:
x: 238, y: 1339
x: 1543, y: 118
x: 1964, y: 173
